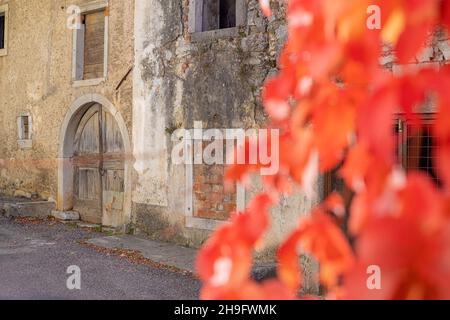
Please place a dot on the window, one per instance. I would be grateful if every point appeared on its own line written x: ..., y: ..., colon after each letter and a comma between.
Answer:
x: 216, y: 15
x: 415, y: 150
x: 90, y: 45
x: 25, y: 128
x: 416, y: 147
x: 3, y: 29
x: 25, y: 131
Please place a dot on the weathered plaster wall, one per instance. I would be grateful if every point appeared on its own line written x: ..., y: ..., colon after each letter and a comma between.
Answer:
x: 179, y: 79
x: 36, y: 78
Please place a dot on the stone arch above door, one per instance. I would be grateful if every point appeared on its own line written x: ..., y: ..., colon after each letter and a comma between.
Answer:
x: 66, y: 152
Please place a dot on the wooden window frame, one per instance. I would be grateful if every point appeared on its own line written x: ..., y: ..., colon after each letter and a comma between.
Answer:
x: 78, y: 46
x: 402, y: 138
x: 4, y: 9
x: 196, y: 20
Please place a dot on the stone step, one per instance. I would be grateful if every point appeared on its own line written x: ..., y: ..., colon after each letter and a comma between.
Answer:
x: 27, y: 209
x: 66, y: 215
x: 92, y: 226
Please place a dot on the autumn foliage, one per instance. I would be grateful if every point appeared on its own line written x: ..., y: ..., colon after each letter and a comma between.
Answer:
x: 334, y: 104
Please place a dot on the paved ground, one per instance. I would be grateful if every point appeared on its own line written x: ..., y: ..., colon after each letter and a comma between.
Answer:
x: 163, y: 253
x: 34, y: 259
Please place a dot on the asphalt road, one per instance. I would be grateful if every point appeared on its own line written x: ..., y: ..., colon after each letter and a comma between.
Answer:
x: 34, y: 261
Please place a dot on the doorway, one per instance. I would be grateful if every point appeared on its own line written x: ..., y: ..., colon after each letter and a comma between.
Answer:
x: 98, y: 168
x: 94, y: 172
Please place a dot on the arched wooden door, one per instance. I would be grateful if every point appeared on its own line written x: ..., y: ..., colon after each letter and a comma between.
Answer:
x: 99, y: 168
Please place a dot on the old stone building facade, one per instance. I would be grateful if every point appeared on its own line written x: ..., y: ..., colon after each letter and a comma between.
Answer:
x: 88, y: 108
x: 189, y: 68
x: 42, y: 92
x: 50, y: 78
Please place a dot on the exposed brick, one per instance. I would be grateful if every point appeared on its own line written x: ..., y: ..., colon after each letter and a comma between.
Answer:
x: 210, y: 199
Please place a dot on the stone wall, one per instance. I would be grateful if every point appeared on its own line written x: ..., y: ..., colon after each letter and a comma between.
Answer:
x: 180, y: 78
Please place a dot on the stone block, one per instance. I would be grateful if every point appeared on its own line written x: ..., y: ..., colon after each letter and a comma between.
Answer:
x: 28, y: 209
x: 66, y: 215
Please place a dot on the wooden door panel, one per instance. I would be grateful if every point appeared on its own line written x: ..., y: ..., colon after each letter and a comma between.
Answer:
x: 99, y: 169
x: 87, y: 194
x: 88, y: 184
x: 113, y: 171
x: 113, y: 196
x: 87, y: 167
x: 113, y: 186
x: 88, y: 137
x: 89, y: 161
x: 112, y: 137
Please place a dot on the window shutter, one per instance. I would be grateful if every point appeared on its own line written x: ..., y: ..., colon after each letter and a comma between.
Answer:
x: 94, y: 45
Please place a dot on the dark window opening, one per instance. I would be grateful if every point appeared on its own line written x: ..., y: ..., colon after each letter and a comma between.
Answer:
x: 417, y: 148
x: 420, y: 147
x: 25, y: 132
x: 218, y: 14
x: 227, y: 14
x: 2, y: 30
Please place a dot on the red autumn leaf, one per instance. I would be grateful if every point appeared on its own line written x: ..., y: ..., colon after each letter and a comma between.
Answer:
x: 445, y: 13
x: 276, y: 94
x: 408, y: 25
x: 442, y: 132
x: 226, y: 260
x: 406, y: 272
x: 295, y: 151
x: 375, y: 123
x: 335, y: 204
x: 321, y: 237
x: 288, y: 257
x: 421, y: 202
x: 249, y: 290
x: 331, y: 85
x: 443, y: 167
x: 411, y: 41
x: 356, y: 166
x: 359, y: 213
x: 265, y: 6
x: 334, y: 124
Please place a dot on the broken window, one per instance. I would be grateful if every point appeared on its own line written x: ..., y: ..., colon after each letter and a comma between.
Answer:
x: 218, y: 14
x: 209, y: 15
x: 91, y: 46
